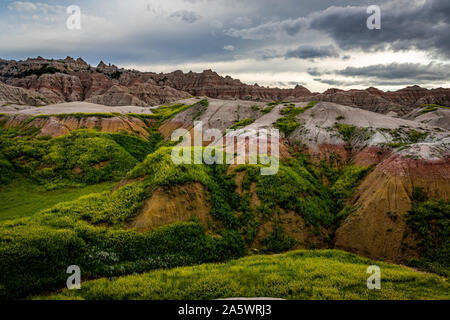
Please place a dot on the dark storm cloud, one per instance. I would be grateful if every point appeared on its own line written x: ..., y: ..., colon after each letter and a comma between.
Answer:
x: 314, y: 72
x: 429, y: 72
x: 369, y: 82
x: 312, y: 52
x: 405, y: 24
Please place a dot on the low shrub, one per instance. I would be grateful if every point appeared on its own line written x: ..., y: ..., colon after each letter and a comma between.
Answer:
x: 243, y: 123
x: 430, y: 220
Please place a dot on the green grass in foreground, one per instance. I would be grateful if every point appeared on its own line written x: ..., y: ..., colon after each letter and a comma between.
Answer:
x: 322, y: 274
x: 22, y: 198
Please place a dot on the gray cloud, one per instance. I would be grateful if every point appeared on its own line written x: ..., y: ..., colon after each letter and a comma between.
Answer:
x: 413, y: 71
x: 312, y: 52
x: 405, y: 25
x: 186, y: 16
x: 369, y: 82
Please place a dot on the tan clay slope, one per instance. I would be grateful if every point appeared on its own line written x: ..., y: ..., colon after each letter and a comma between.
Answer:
x: 378, y: 227
x: 175, y: 204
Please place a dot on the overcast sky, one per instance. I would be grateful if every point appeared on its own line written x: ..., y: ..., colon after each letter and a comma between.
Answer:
x: 317, y: 43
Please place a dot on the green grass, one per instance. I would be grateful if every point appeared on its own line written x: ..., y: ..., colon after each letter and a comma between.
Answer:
x: 81, y: 232
x: 289, y: 123
x: 77, y: 115
x: 243, y: 123
x: 302, y: 275
x: 83, y: 156
x: 430, y: 221
x: 432, y: 107
x: 22, y: 198
x: 346, y: 131
x: 267, y: 109
x: 402, y: 137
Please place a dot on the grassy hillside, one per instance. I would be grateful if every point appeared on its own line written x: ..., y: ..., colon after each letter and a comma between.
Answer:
x: 60, y: 209
x: 22, y: 198
x: 327, y: 274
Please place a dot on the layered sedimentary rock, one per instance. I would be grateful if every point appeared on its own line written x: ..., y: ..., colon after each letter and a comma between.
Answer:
x: 74, y: 80
x: 401, y: 102
x: 15, y: 95
x: 378, y: 228
x: 54, y: 126
x: 139, y: 94
x: 210, y: 84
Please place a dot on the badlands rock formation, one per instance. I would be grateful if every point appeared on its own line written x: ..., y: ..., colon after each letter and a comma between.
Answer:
x: 403, y: 153
x: 74, y: 80
x: 18, y: 96
x: 71, y: 80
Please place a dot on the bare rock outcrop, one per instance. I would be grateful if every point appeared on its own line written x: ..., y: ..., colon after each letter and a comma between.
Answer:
x: 74, y: 80
x: 210, y: 84
x: 15, y: 95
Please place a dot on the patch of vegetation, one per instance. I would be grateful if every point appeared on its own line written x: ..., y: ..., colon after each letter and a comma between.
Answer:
x: 44, y: 69
x: 6, y: 170
x: 416, y: 136
x: 86, y: 232
x: 241, y: 124
x: 267, y: 110
x: 159, y: 171
x: 256, y: 108
x: 78, y: 115
x: 350, y: 178
x: 430, y: 220
x: 432, y: 107
x: 278, y: 241
x: 402, y: 137
x: 293, y: 188
x: 340, y: 118
x: 298, y: 275
x: 164, y: 113
x: 115, y: 75
x: 83, y: 156
x: 22, y: 198
x: 347, y: 131
x: 204, y: 103
x: 288, y: 123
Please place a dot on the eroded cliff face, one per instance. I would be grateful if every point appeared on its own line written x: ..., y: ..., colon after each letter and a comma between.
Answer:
x: 19, y: 96
x: 54, y: 126
x: 400, y: 102
x: 70, y: 80
x: 74, y: 80
x: 210, y: 84
x: 378, y: 228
